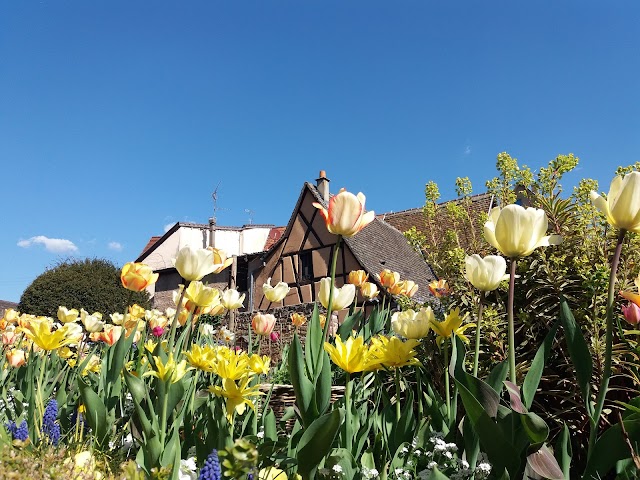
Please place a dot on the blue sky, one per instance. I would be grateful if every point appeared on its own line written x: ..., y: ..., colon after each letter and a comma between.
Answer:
x: 118, y: 118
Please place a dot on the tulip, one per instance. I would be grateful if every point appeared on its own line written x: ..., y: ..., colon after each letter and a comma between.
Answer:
x: 220, y: 260
x: 11, y: 315
x: 136, y: 311
x: 194, y: 263
x: 345, y: 215
x: 272, y: 473
x: 110, y: 334
x: 263, y: 324
x: 298, y: 319
x: 92, y: 323
x: 631, y: 313
x: 277, y: 293
x: 451, y: 324
x: 16, y: 357
x: 439, y: 288
x: 622, y: 205
x: 369, y: 290
x: 517, y: 231
x: 201, y: 295
x: 404, y: 287
x: 232, y: 300
x: 342, y: 297
x: 411, y: 324
x: 66, y: 316
x: 388, y: 278
x: 137, y: 276
x: 357, y: 277
x: 350, y: 356
x: 274, y: 337
x: 485, y: 273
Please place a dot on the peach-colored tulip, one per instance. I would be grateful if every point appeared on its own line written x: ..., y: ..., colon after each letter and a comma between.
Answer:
x: 110, y: 334
x: 263, y: 324
x: 404, y: 287
x: 8, y: 337
x: 16, y: 357
x: 137, y: 276
x: 345, y: 215
x: 439, y: 288
x: 357, y: 277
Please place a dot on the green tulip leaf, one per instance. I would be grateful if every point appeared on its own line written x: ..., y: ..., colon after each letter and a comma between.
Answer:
x: 96, y: 413
x: 543, y: 463
x: 302, y: 386
x: 535, y: 427
x: 563, y: 451
x: 612, y: 447
x: 349, y: 324
x: 437, y: 475
x: 317, y: 440
x: 498, y: 375
x: 532, y: 379
x: 578, y: 351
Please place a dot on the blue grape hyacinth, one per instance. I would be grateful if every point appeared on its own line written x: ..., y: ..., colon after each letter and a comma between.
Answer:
x: 18, y: 432
x: 50, y: 428
x: 211, y: 468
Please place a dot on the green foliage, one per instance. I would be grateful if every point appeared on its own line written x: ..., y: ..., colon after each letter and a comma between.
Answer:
x: 92, y: 284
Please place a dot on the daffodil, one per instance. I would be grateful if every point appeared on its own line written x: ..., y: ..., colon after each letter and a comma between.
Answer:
x: 451, y: 324
x: 238, y: 395
x: 350, y: 356
x: 169, y: 371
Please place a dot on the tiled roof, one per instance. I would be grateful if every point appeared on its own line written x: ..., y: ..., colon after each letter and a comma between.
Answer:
x: 274, y: 235
x: 415, y: 217
x: 152, y: 241
x: 5, y: 305
x: 379, y: 245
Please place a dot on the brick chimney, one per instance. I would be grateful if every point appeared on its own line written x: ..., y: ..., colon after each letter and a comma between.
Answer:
x: 322, y: 184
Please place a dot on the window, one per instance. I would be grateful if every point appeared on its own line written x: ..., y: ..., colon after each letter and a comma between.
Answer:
x: 306, y: 267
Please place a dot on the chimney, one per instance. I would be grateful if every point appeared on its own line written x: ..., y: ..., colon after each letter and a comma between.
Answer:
x: 212, y: 228
x: 322, y: 184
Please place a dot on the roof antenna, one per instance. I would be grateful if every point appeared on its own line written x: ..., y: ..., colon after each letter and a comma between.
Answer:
x: 214, y: 196
x: 250, y: 212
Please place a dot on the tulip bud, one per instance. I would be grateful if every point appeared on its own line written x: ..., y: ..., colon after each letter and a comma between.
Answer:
x: 275, y: 336
x: 631, y: 313
x: 357, y: 277
x: 16, y: 357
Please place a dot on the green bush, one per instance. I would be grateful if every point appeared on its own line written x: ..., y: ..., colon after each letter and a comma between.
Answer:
x: 92, y: 284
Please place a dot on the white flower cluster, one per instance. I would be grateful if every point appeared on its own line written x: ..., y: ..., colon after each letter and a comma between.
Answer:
x: 370, y: 473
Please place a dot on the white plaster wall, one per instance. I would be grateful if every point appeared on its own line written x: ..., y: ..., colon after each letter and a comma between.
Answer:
x: 252, y: 240
x: 228, y: 241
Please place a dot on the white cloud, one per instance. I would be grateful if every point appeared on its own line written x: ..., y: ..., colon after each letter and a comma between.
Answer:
x: 168, y: 226
x: 467, y: 150
x: 117, y: 246
x: 55, y: 245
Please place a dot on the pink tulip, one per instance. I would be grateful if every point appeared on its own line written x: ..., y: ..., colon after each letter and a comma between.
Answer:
x: 631, y: 313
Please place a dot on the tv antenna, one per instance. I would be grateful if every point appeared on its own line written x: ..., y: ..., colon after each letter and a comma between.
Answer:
x: 216, y: 208
x: 250, y: 212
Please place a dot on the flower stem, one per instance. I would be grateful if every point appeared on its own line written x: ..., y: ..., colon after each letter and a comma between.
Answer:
x: 446, y: 379
x: 606, y: 374
x: 512, y: 335
x: 397, y: 379
x: 174, y: 324
x: 347, y: 424
x: 325, y: 330
x: 479, y: 322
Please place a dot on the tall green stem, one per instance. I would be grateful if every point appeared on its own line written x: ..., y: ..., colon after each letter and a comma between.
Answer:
x: 479, y: 322
x: 174, y: 324
x: 397, y: 378
x: 325, y: 330
x: 446, y: 378
x: 606, y: 374
x: 512, y: 335
x: 348, y: 426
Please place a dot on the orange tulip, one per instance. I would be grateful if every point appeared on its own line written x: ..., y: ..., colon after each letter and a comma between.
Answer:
x: 388, y: 278
x: 298, y: 319
x: 358, y: 277
x: 439, y: 288
x: 137, y: 276
x: 345, y: 215
x: 404, y: 287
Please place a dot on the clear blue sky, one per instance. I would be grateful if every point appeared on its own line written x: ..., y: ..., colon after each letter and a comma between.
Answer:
x: 120, y: 117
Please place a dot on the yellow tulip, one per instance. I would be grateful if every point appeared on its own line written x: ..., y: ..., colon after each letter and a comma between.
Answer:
x: 412, y: 324
x: 451, y: 324
x: 237, y: 395
x: 169, y: 372
x: 67, y: 316
x: 298, y: 319
x: 369, y: 290
x: 485, y: 273
x: 350, y: 356
x: 622, y: 205
x: 391, y: 352
x: 202, y: 358
x: 277, y: 293
x: 201, y: 295
x: 272, y: 473
x: 137, y: 276
x: 231, y: 365
x: 220, y: 260
x: 517, y: 231
x: 345, y: 215
x: 41, y: 334
x: 404, y: 287
x: 342, y: 297
x: 259, y: 364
